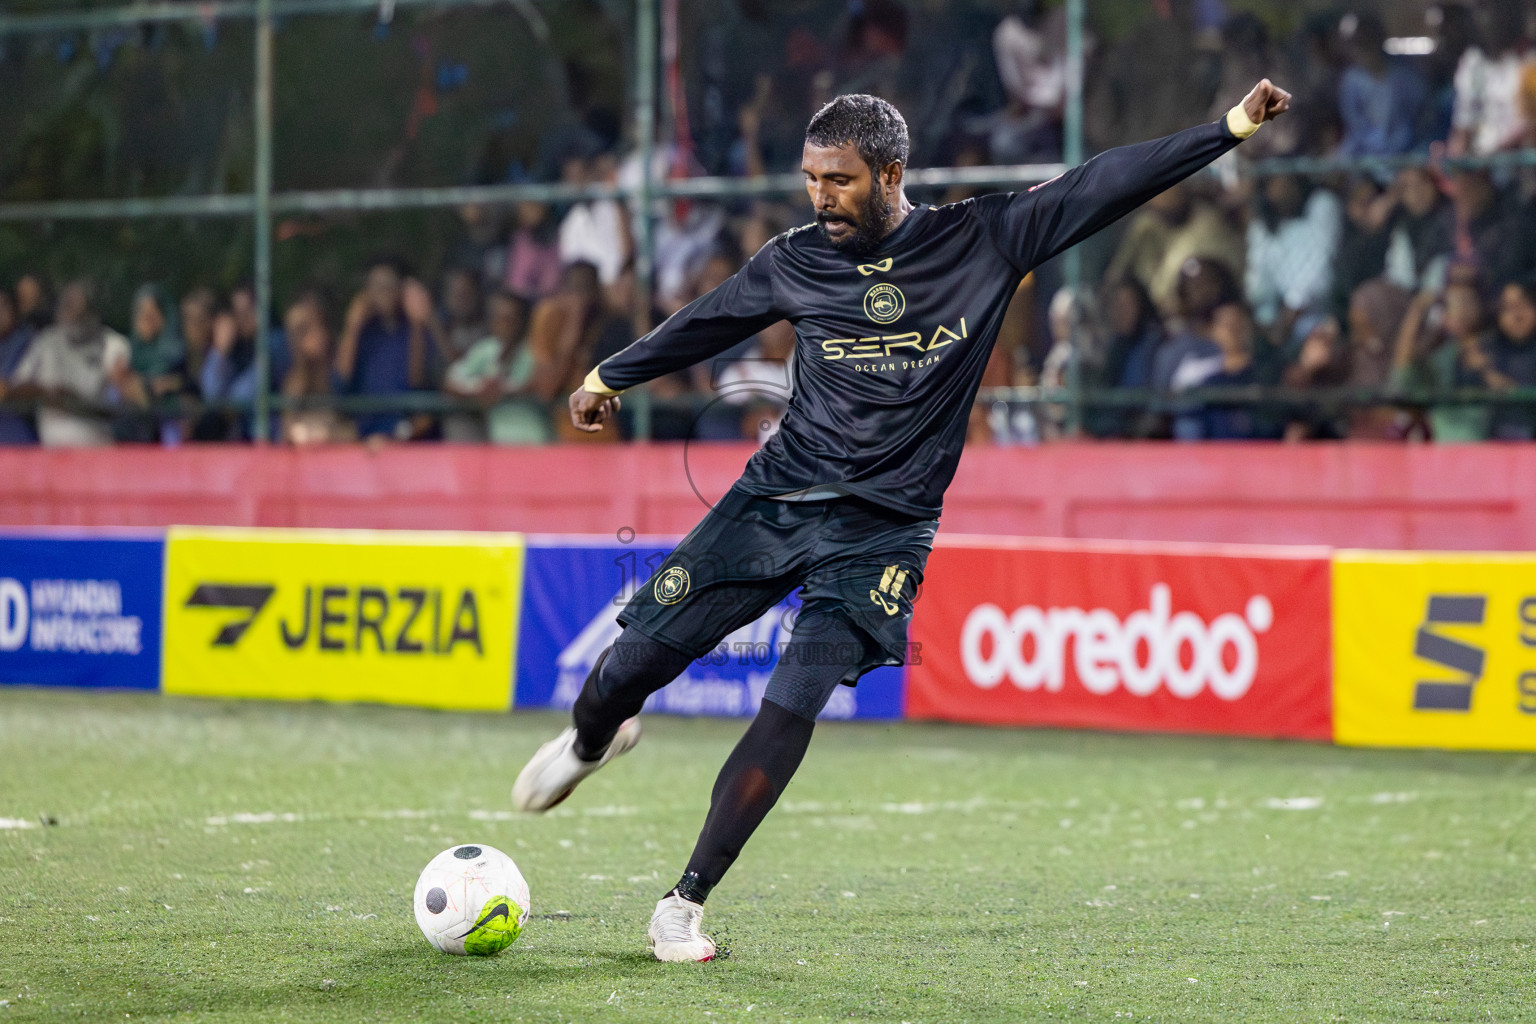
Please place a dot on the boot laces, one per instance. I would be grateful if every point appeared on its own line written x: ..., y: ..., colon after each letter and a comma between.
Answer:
x: 680, y: 922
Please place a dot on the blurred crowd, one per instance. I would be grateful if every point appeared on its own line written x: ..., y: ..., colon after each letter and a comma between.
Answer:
x: 487, y: 352
x: 1395, y: 284
x: 1413, y: 282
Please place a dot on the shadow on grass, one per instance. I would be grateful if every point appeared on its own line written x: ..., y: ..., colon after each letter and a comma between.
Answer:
x: 406, y: 981
x: 532, y: 964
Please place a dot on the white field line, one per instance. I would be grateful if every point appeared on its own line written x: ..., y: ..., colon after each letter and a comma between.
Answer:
x: 405, y: 814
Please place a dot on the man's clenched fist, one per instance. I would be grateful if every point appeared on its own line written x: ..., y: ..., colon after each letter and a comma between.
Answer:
x: 1266, y: 102
x: 589, y: 412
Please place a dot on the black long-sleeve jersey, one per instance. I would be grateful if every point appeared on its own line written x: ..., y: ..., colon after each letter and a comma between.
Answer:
x: 890, y: 347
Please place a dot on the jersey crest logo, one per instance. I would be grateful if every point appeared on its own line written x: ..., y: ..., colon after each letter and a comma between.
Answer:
x: 875, y: 268
x: 884, y: 303
x: 672, y: 585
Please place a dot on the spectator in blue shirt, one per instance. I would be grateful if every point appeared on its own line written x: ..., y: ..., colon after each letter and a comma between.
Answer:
x: 1189, y: 354
x: 15, y: 338
x: 1136, y: 334
x: 1379, y: 99
x: 383, y: 348
x: 229, y: 369
x: 1232, y: 329
x: 33, y: 306
x: 1512, y: 355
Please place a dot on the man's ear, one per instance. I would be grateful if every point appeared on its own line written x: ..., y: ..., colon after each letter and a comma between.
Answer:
x: 890, y: 177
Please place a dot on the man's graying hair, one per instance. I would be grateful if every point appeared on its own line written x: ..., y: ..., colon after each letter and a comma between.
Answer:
x: 867, y: 123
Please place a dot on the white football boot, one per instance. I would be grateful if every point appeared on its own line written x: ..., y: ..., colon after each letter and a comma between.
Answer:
x: 674, y: 935
x: 554, y: 770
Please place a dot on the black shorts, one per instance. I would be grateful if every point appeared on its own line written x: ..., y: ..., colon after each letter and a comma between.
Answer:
x: 749, y: 553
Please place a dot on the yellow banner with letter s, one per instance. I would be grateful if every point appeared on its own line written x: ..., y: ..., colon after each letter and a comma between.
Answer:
x: 426, y: 619
x: 1434, y: 650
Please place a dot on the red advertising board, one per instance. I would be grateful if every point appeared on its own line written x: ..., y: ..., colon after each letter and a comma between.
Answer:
x: 1155, y: 637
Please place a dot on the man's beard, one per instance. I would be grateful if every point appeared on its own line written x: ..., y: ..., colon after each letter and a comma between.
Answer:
x: 874, y: 215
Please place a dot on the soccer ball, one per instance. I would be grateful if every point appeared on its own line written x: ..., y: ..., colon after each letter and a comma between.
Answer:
x: 471, y: 900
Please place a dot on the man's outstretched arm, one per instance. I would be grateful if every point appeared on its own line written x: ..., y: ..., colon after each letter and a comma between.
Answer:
x: 705, y: 327
x: 1031, y: 227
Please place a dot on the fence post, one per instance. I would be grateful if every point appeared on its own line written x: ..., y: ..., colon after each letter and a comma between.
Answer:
x: 646, y: 34
x: 263, y: 191
x: 1072, y: 155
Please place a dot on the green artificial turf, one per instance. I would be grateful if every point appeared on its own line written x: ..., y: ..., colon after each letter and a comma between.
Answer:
x: 249, y: 861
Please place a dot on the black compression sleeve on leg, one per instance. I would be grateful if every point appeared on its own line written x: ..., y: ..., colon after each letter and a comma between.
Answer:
x: 824, y: 649
x: 632, y: 668
x: 749, y: 785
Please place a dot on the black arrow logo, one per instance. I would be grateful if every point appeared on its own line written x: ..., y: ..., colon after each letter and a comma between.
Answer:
x: 251, y: 599
x: 500, y: 910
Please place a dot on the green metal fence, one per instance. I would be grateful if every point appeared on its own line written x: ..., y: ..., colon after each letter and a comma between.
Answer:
x: 262, y: 203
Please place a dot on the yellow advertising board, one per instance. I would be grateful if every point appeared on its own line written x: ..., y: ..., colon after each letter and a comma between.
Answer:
x: 1434, y: 650
x: 427, y: 619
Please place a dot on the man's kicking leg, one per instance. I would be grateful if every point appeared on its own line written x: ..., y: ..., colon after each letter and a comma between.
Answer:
x: 825, y: 649
x: 632, y: 668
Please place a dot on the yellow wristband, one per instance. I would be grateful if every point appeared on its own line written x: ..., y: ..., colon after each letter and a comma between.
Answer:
x: 1239, y: 123
x: 595, y: 384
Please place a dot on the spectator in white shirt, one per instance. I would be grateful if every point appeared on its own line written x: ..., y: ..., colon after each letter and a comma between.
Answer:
x: 1029, y: 47
x: 595, y: 232
x: 1487, y: 116
x: 71, y: 364
x: 1423, y: 233
x: 1292, y: 240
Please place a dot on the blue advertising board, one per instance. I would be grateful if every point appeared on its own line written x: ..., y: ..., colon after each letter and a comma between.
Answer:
x: 80, y: 611
x: 572, y: 593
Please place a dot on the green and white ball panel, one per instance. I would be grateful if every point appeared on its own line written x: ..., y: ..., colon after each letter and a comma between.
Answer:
x: 471, y: 899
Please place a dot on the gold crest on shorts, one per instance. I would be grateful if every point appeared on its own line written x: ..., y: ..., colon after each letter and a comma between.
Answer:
x: 672, y: 585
